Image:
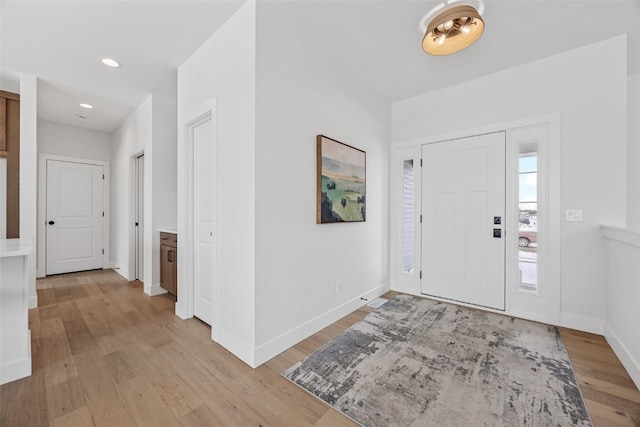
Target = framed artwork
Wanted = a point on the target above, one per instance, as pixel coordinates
(341, 182)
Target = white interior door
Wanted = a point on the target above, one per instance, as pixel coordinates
(139, 224)
(204, 219)
(74, 216)
(463, 205)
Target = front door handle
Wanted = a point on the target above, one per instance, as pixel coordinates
(51, 222)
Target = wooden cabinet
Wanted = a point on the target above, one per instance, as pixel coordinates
(169, 262)
(10, 149)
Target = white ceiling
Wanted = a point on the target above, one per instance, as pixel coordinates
(376, 41)
(62, 43)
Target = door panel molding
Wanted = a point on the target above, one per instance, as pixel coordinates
(41, 258)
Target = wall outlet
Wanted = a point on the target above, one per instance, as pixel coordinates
(338, 286)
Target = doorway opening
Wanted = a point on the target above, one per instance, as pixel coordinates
(139, 218)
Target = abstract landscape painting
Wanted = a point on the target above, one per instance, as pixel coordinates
(341, 182)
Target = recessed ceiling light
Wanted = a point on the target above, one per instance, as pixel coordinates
(110, 62)
(89, 106)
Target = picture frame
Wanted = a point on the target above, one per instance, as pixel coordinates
(341, 182)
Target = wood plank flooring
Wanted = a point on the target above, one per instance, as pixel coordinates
(106, 354)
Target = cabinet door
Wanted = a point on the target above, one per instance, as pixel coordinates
(10, 149)
(167, 267)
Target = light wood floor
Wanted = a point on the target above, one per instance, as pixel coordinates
(104, 353)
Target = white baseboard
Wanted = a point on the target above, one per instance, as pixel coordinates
(18, 369)
(182, 312)
(626, 357)
(121, 271)
(32, 301)
(236, 346)
(290, 338)
(154, 290)
(15, 370)
(582, 323)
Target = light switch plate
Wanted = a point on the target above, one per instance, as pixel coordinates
(573, 215)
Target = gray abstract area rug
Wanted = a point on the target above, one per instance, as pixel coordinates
(418, 362)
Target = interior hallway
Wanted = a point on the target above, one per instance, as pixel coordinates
(105, 353)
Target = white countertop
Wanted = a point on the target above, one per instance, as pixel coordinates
(15, 247)
(621, 234)
(168, 230)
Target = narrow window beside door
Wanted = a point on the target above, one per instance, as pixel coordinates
(528, 214)
(407, 215)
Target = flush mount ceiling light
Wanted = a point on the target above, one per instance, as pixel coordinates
(110, 62)
(88, 106)
(452, 30)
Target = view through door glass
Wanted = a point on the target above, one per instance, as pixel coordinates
(528, 222)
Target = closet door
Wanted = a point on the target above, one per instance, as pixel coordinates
(203, 220)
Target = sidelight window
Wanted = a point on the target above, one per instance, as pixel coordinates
(407, 216)
(528, 217)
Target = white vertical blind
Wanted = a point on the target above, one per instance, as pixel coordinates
(407, 215)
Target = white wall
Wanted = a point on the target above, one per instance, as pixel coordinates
(277, 268)
(623, 294)
(301, 95)
(623, 253)
(224, 68)
(73, 141)
(588, 87)
(160, 179)
(29, 171)
(151, 129)
(129, 139)
(633, 152)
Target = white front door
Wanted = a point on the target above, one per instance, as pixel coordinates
(74, 216)
(203, 219)
(463, 208)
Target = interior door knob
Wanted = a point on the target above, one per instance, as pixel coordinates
(51, 222)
